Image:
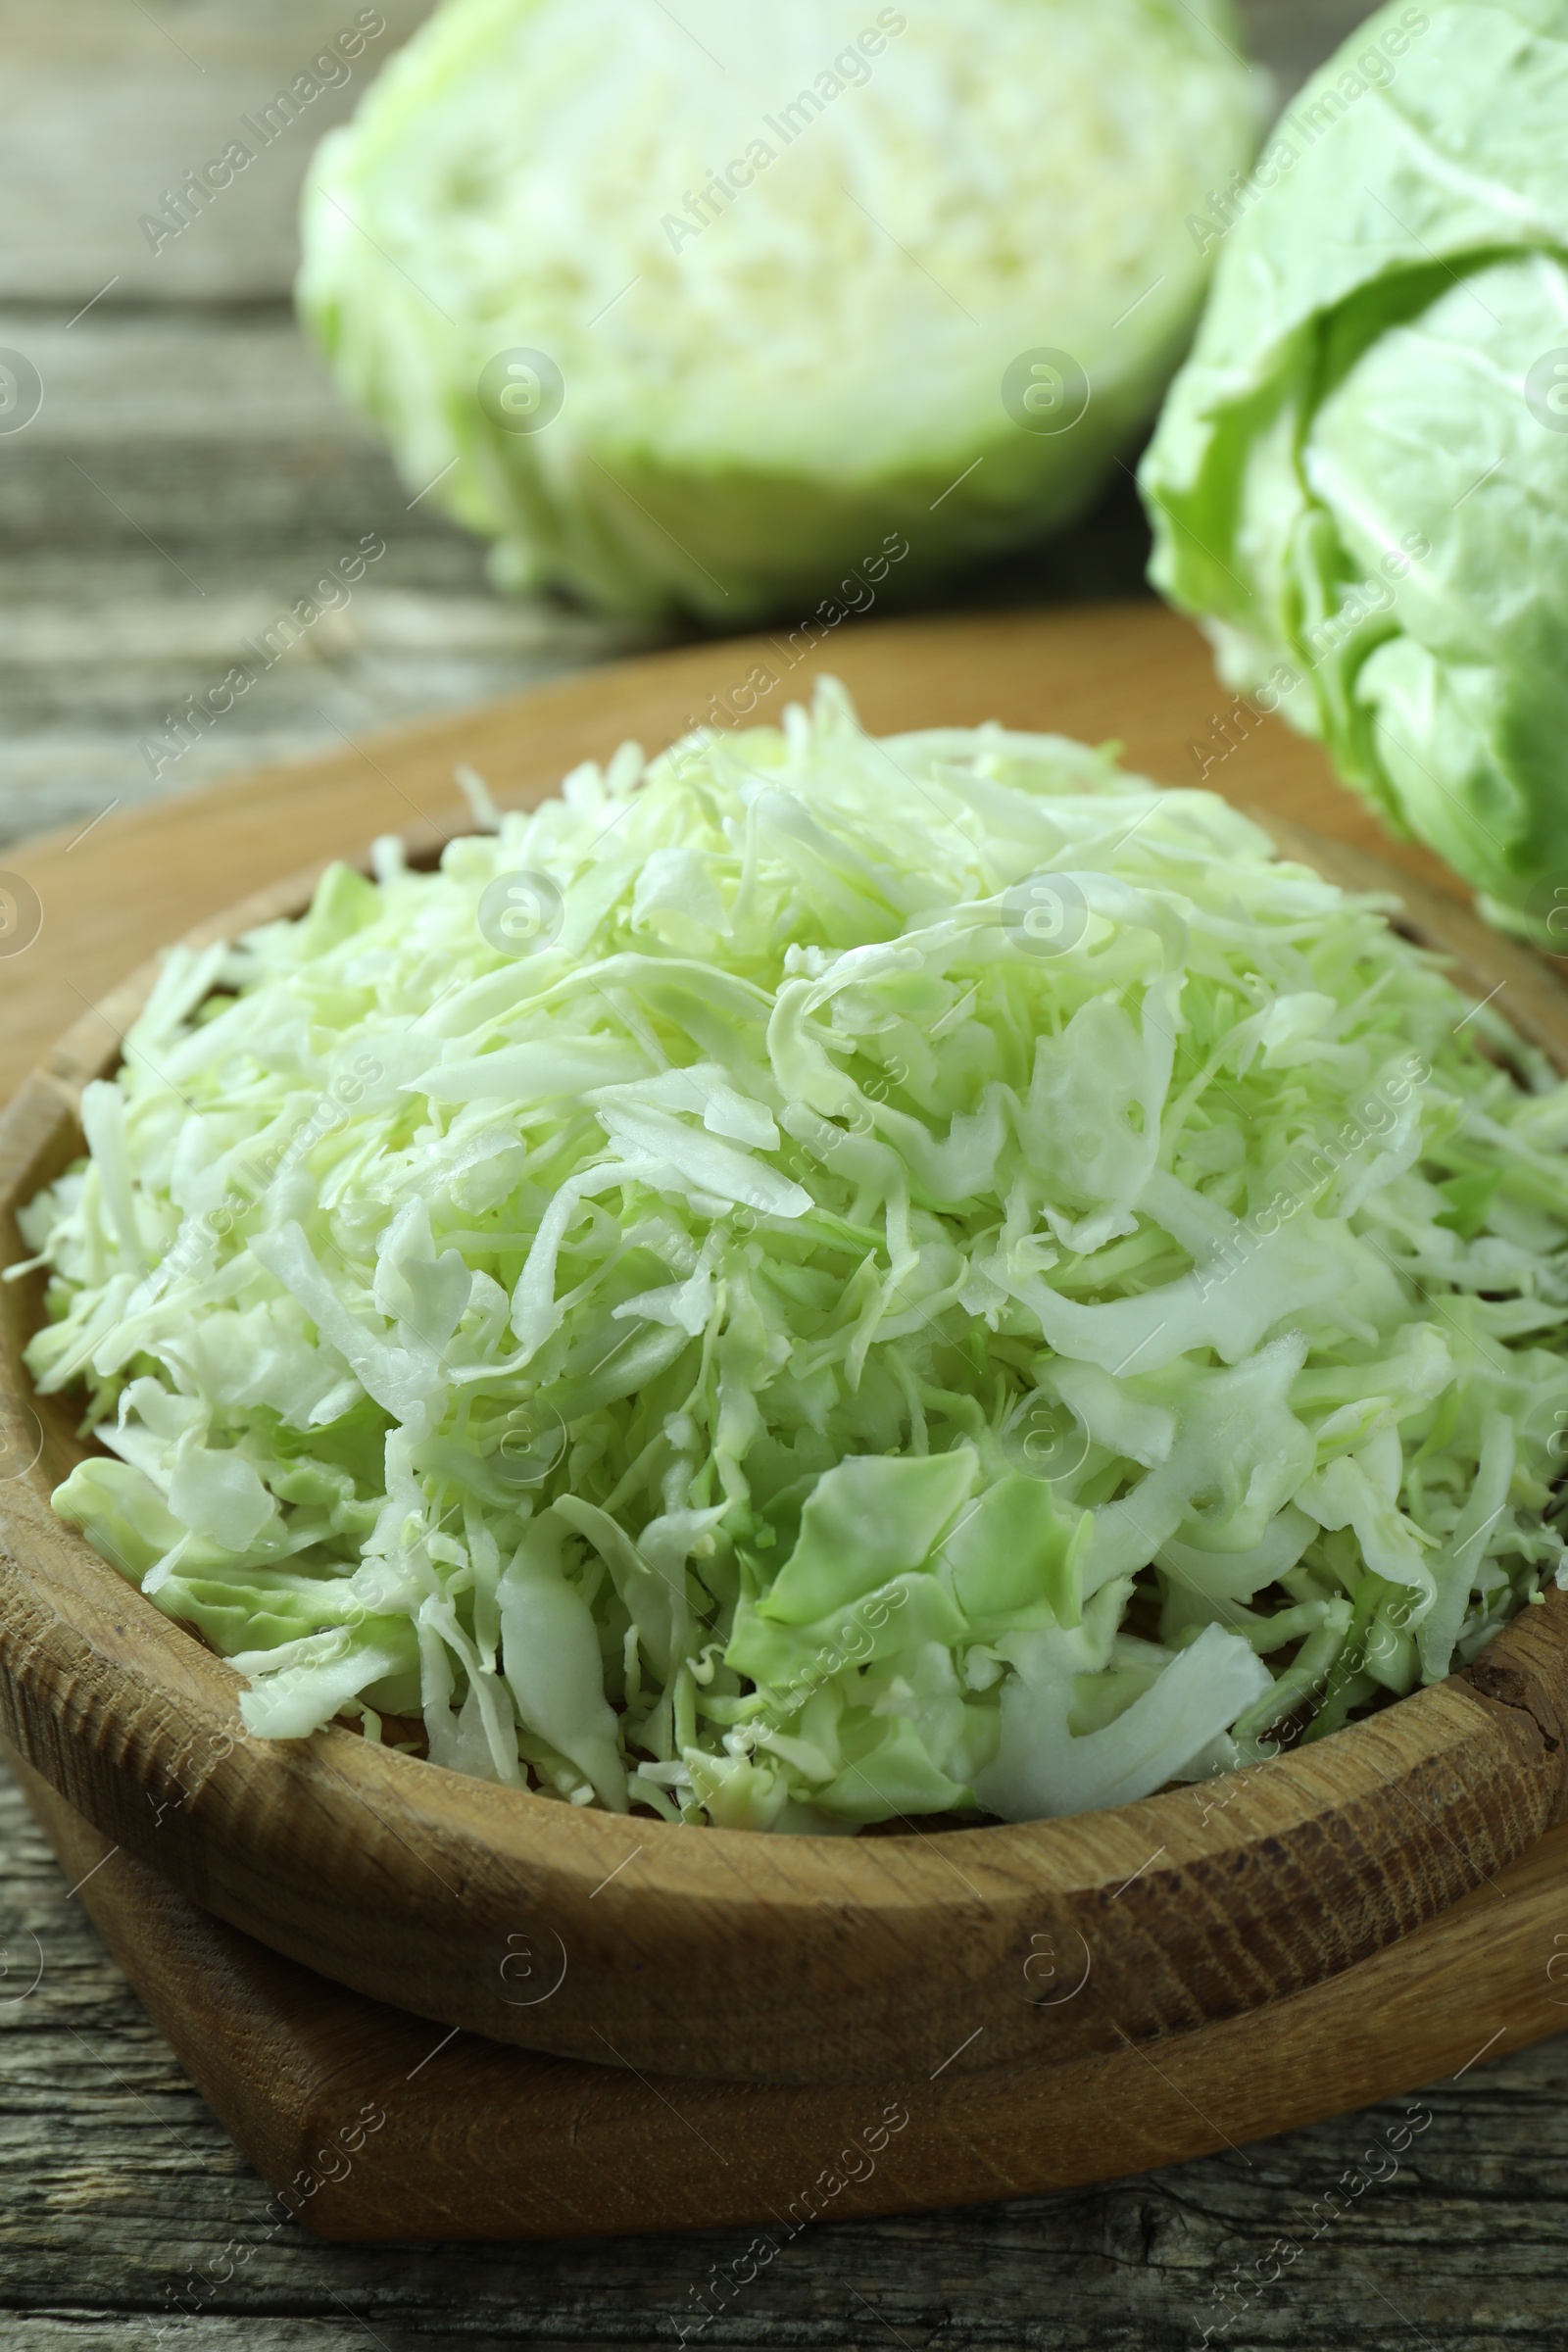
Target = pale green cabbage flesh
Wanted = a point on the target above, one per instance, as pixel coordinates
(943, 1277)
(780, 260)
(1359, 482)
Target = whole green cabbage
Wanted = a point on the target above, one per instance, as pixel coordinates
(1360, 479)
(705, 313)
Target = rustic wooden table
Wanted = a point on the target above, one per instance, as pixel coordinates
(188, 475)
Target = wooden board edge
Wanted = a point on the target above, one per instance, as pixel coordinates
(496, 2144)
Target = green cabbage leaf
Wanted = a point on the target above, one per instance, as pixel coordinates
(1359, 482)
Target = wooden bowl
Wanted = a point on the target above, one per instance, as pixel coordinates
(717, 1954)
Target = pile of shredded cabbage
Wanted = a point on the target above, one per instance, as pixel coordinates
(935, 1277)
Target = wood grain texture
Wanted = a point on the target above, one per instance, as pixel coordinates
(725, 1955)
(148, 94)
(189, 477)
(365, 2128)
(125, 2209)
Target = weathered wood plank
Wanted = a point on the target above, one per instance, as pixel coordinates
(105, 105)
(189, 479)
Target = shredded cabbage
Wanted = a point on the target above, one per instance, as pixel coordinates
(822, 1280)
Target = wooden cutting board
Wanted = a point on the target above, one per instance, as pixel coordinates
(373, 2125)
(275, 2047)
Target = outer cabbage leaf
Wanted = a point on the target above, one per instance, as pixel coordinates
(1359, 482)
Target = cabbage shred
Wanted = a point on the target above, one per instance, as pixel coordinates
(941, 1277)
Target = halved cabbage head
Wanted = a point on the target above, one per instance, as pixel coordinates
(709, 308)
(822, 1280)
(1360, 479)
